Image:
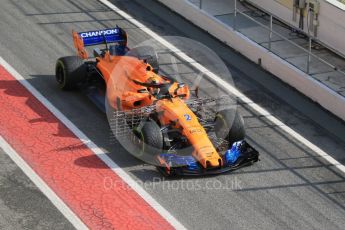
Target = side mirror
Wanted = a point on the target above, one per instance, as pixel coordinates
(181, 85)
(142, 91)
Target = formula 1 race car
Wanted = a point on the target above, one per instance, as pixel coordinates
(182, 136)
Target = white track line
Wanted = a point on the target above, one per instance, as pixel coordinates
(227, 87)
(41, 185)
(99, 152)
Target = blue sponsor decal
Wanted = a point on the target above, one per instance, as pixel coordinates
(188, 117)
(175, 160)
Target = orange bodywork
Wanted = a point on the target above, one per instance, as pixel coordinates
(177, 113)
(79, 45)
(124, 76)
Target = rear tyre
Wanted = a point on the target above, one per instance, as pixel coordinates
(229, 125)
(146, 53)
(69, 71)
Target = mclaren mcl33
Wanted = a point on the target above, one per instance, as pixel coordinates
(181, 136)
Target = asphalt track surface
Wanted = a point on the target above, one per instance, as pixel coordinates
(22, 205)
(291, 187)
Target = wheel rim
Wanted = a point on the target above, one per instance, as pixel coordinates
(60, 75)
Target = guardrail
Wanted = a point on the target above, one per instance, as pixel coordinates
(237, 13)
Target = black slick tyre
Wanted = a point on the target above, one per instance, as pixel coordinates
(69, 71)
(229, 125)
(152, 138)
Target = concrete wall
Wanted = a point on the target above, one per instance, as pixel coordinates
(331, 30)
(313, 89)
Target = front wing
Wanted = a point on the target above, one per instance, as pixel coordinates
(189, 167)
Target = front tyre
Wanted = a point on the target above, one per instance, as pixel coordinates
(229, 125)
(151, 137)
(69, 71)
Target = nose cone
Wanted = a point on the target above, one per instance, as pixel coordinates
(208, 159)
(214, 162)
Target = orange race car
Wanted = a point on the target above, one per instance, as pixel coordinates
(182, 136)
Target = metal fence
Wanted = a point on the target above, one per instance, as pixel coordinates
(311, 58)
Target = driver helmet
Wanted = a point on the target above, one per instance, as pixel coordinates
(154, 80)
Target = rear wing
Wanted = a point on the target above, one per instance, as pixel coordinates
(97, 37)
